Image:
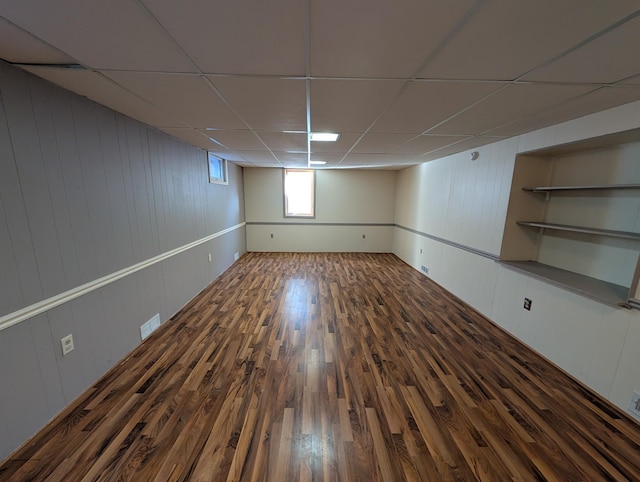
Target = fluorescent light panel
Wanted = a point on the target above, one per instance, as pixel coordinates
(318, 163)
(324, 136)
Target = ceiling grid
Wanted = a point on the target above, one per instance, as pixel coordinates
(402, 82)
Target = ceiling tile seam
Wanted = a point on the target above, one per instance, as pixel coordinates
(463, 20)
(584, 42)
(619, 83)
(207, 81)
(260, 76)
(368, 129)
(432, 151)
(41, 41)
(478, 136)
(307, 72)
(424, 135)
(152, 17)
(163, 111)
(242, 119)
(342, 79)
(308, 102)
(541, 111)
(211, 139)
(468, 107)
(513, 82)
(449, 35)
(447, 146)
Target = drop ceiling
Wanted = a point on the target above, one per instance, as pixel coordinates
(403, 82)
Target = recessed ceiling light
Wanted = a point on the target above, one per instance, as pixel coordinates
(318, 163)
(324, 136)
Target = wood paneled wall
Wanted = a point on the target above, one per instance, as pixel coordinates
(85, 192)
(466, 202)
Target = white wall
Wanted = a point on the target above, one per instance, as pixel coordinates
(465, 202)
(349, 204)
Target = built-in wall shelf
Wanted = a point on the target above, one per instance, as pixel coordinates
(602, 291)
(581, 229)
(604, 187)
(548, 190)
(582, 190)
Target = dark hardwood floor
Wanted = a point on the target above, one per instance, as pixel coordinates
(332, 367)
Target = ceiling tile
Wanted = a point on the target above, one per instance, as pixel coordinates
(106, 92)
(266, 104)
(248, 37)
(349, 105)
(257, 157)
(238, 139)
(596, 101)
(506, 39)
(19, 46)
(377, 38)
(609, 58)
(464, 145)
(428, 143)
(513, 102)
(228, 155)
(362, 59)
(635, 80)
(424, 104)
(358, 158)
(188, 97)
(285, 156)
(191, 136)
(284, 141)
(118, 34)
(398, 158)
(377, 143)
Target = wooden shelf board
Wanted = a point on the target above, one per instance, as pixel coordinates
(581, 188)
(581, 229)
(595, 289)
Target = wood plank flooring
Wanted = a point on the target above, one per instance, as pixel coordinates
(300, 367)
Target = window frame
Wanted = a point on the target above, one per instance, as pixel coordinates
(284, 194)
(211, 158)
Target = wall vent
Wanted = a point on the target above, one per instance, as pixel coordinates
(150, 326)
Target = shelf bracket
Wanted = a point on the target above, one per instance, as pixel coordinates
(547, 196)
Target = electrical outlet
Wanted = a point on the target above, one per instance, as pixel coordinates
(634, 404)
(527, 304)
(424, 269)
(210, 258)
(67, 344)
(236, 256)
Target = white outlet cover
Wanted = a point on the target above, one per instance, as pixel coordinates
(67, 344)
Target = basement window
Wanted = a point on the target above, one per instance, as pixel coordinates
(299, 193)
(218, 173)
